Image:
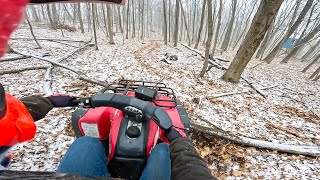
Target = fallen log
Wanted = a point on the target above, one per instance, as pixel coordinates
(80, 74)
(47, 85)
(47, 39)
(13, 58)
(22, 70)
(236, 92)
(220, 66)
(293, 149)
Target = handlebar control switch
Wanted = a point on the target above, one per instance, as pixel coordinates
(134, 112)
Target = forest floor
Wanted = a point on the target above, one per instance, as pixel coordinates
(288, 115)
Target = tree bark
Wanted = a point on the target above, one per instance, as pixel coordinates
(291, 30)
(176, 29)
(261, 22)
(209, 39)
(201, 24)
(109, 16)
(165, 22)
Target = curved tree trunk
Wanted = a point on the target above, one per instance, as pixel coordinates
(209, 39)
(267, 11)
(201, 24)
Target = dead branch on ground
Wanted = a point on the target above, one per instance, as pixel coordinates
(22, 70)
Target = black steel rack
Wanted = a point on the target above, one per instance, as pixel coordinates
(124, 86)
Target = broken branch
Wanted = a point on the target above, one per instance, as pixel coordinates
(23, 69)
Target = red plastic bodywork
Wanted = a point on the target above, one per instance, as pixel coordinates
(109, 119)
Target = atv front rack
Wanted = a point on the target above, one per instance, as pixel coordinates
(126, 86)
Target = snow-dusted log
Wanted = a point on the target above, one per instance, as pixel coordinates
(217, 65)
(23, 69)
(215, 131)
(47, 85)
(236, 92)
(80, 74)
(46, 39)
(13, 58)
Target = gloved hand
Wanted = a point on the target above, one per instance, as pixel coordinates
(174, 133)
(62, 100)
(37, 106)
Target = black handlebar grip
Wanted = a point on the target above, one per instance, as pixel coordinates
(149, 111)
(3, 104)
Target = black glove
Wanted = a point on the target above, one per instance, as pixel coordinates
(62, 100)
(173, 133)
(37, 106)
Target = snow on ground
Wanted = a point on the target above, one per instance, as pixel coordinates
(289, 114)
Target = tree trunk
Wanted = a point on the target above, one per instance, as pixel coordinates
(217, 31)
(142, 20)
(226, 40)
(94, 25)
(80, 18)
(201, 24)
(127, 20)
(109, 16)
(312, 63)
(165, 22)
(209, 40)
(133, 21)
(176, 29)
(120, 21)
(185, 23)
(55, 16)
(105, 20)
(296, 24)
(261, 22)
(169, 20)
(294, 51)
(52, 25)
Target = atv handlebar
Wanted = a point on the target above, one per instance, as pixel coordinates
(130, 105)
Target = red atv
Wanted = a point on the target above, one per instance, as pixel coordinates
(126, 118)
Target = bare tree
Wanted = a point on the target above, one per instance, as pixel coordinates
(209, 39)
(109, 16)
(133, 21)
(201, 24)
(217, 30)
(52, 24)
(294, 51)
(80, 18)
(127, 20)
(185, 23)
(94, 24)
(292, 28)
(142, 20)
(176, 29)
(226, 40)
(120, 21)
(311, 49)
(261, 22)
(165, 22)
